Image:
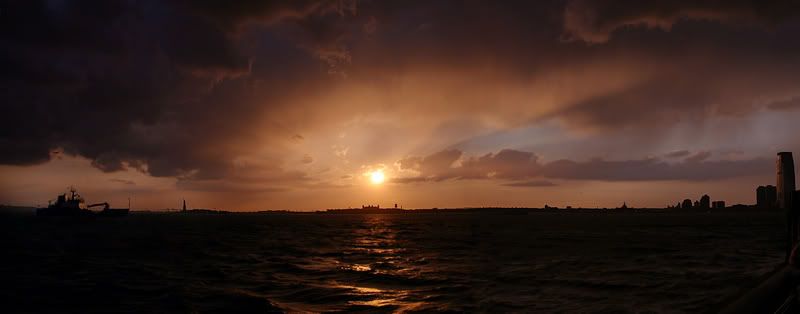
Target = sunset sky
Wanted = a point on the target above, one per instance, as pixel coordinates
(253, 105)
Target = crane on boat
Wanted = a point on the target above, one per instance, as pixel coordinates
(104, 204)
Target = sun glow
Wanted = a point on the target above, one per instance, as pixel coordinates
(377, 177)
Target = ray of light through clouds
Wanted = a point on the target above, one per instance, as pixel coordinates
(298, 104)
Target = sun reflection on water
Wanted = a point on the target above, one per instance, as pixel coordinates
(382, 298)
(374, 250)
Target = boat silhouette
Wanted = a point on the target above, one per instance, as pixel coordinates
(72, 204)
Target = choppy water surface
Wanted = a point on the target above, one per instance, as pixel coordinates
(540, 262)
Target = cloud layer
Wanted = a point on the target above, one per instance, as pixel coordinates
(276, 95)
(596, 21)
(171, 89)
(517, 166)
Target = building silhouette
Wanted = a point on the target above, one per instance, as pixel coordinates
(766, 196)
(786, 184)
(705, 202)
(718, 204)
(687, 203)
(785, 192)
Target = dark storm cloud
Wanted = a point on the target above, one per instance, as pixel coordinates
(205, 35)
(185, 88)
(167, 88)
(517, 165)
(708, 59)
(699, 70)
(645, 105)
(595, 21)
(231, 14)
(676, 95)
(315, 25)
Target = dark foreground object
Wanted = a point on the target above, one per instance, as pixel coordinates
(70, 212)
(72, 205)
(777, 294)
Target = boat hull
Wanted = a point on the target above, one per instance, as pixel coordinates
(51, 211)
(79, 212)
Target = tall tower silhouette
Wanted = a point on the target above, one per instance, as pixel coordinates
(184, 205)
(786, 187)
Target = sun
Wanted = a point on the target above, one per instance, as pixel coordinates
(377, 177)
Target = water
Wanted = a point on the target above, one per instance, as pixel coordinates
(540, 262)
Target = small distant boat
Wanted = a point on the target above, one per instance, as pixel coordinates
(72, 204)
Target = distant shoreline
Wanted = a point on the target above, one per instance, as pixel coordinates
(397, 211)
